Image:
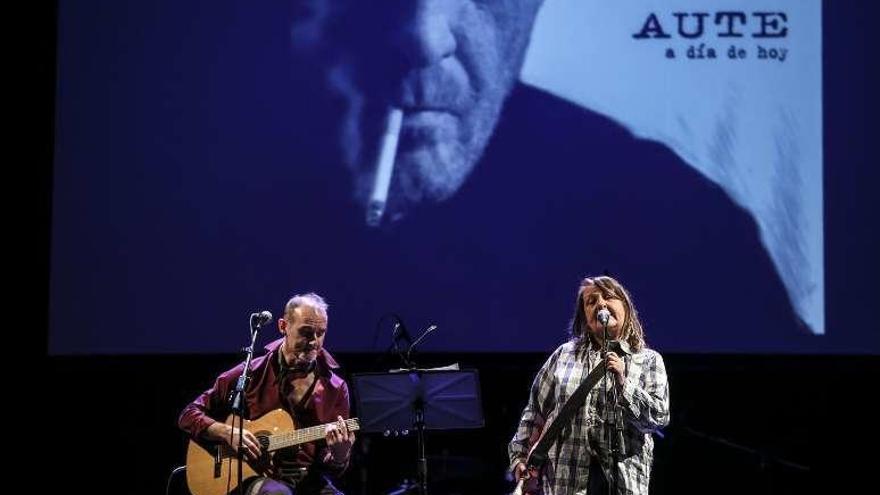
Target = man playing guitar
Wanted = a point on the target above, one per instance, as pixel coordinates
(296, 375)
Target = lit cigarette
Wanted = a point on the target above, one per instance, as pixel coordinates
(384, 167)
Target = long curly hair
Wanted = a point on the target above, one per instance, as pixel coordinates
(632, 331)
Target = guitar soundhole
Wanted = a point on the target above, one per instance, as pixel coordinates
(264, 441)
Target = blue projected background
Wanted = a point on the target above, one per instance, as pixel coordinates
(211, 160)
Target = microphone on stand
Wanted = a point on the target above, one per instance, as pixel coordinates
(257, 320)
(421, 338)
(261, 318)
(603, 316)
(418, 340)
(611, 397)
(401, 333)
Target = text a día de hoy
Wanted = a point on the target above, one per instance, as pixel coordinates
(760, 27)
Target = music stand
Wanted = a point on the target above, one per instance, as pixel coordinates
(420, 399)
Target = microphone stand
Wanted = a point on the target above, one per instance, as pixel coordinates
(418, 404)
(241, 384)
(417, 342)
(238, 399)
(422, 469)
(396, 335)
(610, 420)
(419, 409)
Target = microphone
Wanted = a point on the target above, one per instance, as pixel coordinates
(400, 332)
(261, 318)
(421, 338)
(603, 316)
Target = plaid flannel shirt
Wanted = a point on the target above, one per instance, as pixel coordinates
(643, 405)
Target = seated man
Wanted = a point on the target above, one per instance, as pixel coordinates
(296, 375)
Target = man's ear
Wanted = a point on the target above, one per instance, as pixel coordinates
(282, 326)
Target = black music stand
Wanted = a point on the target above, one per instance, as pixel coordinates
(419, 399)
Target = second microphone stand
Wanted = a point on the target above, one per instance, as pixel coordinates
(418, 414)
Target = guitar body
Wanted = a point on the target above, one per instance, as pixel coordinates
(215, 470)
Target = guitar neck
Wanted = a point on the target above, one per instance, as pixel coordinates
(305, 435)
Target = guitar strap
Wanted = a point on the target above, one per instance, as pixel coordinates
(538, 455)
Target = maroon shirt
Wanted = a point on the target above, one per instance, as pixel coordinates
(329, 399)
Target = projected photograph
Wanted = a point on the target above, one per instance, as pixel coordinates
(464, 171)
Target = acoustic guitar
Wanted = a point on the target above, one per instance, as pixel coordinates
(213, 471)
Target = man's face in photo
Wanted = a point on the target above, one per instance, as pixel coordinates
(448, 64)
